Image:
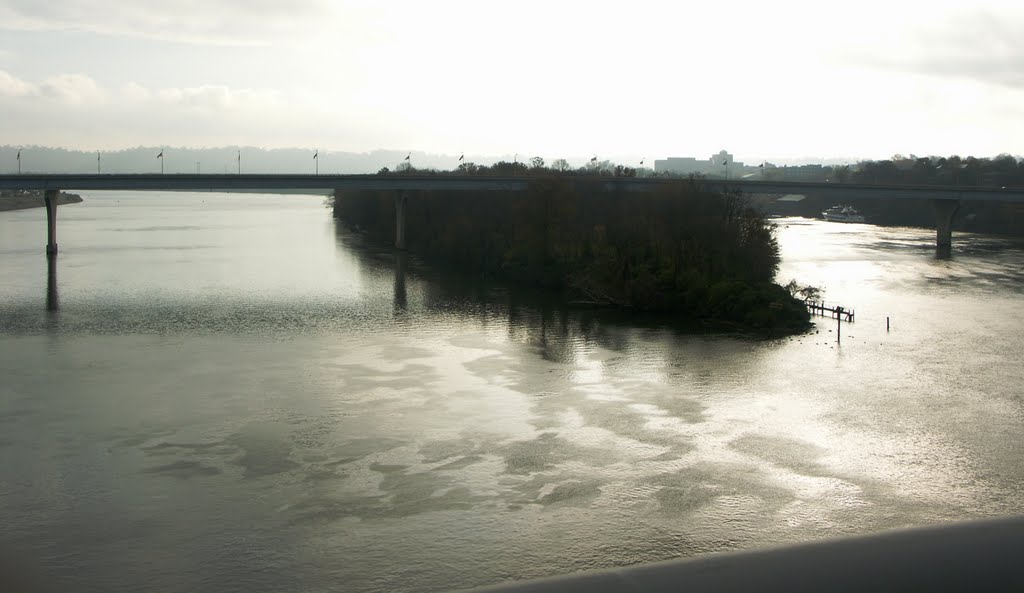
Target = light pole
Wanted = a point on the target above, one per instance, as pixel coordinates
(161, 157)
(19, 161)
(316, 161)
(197, 167)
(97, 162)
(239, 162)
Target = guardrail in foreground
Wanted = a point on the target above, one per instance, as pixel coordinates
(976, 557)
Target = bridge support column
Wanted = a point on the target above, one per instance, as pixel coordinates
(945, 210)
(50, 200)
(401, 200)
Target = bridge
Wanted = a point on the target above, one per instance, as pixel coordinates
(945, 200)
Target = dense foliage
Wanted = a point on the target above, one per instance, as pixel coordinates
(1003, 170)
(701, 255)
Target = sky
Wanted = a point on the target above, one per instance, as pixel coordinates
(624, 81)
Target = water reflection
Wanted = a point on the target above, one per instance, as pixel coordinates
(586, 340)
(401, 301)
(52, 298)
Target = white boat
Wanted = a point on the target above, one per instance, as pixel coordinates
(843, 214)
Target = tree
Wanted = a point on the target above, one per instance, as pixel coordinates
(604, 167)
(507, 168)
(841, 173)
(560, 165)
(537, 162)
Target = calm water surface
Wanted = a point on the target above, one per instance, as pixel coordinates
(236, 395)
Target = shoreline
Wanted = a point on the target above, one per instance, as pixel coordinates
(25, 200)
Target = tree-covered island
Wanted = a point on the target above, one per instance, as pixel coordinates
(701, 257)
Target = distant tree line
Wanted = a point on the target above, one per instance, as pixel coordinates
(992, 216)
(700, 255)
(534, 167)
(1002, 171)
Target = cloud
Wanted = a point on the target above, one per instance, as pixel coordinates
(976, 44)
(69, 89)
(75, 111)
(195, 21)
(14, 87)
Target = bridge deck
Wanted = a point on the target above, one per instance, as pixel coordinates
(268, 182)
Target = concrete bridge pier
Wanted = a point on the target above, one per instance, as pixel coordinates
(945, 210)
(50, 200)
(401, 200)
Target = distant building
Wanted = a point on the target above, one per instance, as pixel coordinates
(720, 159)
(713, 166)
(680, 165)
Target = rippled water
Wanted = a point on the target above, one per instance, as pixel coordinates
(235, 395)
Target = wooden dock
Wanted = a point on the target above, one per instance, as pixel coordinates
(835, 312)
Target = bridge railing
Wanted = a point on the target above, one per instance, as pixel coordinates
(970, 557)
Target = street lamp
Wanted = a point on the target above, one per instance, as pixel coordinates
(19, 161)
(97, 162)
(239, 162)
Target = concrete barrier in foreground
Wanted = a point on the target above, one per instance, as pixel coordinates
(976, 557)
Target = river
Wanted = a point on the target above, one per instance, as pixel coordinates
(237, 395)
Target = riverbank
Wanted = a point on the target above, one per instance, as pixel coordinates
(20, 199)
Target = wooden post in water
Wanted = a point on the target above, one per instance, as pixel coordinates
(887, 323)
(839, 322)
